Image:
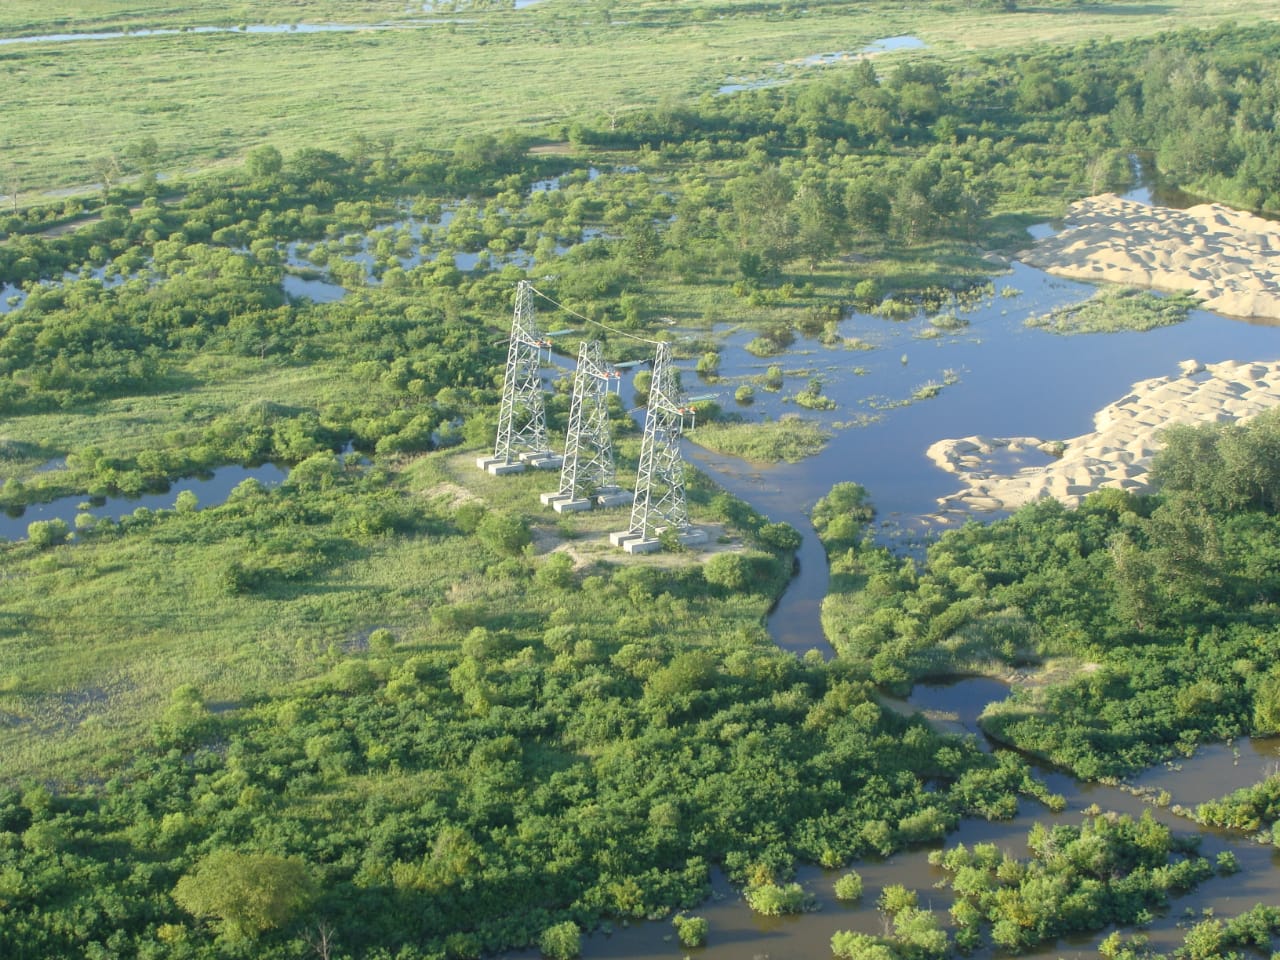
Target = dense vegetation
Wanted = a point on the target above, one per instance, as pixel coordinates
(395, 709)
(558, 749)
(1254, 809)
(1111, 869)
(1166, 603)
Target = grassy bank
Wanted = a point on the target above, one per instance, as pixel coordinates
(69, 105)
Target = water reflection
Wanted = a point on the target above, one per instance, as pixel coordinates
(253, 28)
(210, 490)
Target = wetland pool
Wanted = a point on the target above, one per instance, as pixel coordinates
(210, 489)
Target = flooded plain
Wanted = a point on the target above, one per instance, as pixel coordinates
(997, 377)
(737, 933)
(209, 489)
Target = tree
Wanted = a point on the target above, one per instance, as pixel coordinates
(817, 217)
(248, 893)
(107, 171)
(11, 185)
(264, 163)
(1134, 578)
(764, 217)
(867, 207)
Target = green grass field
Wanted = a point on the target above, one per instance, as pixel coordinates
(210, 97)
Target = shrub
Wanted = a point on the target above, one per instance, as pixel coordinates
(692, 931)
(849, 886)
(563, 941)
(503, 533)
(47, 533)
(774, 900)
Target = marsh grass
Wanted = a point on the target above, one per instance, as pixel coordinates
(72, 103)
(1114, 309)
(789, 439)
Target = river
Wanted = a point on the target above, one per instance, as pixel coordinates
(737, 933)
(1009, 380)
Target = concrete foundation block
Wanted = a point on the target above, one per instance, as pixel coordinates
(571, 506)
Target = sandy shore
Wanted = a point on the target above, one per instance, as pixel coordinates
(1229, 259)
(1008, 472)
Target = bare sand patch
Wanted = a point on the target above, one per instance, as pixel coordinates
(1118, 452)
(451, 494)
(1228, 258)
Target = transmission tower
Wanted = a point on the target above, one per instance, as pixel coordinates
(659, 502)
(522, 420)
(587, 476)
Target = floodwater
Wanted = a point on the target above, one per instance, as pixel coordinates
(415, 240)
(736, 933)
(999, 378)
(253, 28)
(778, 75)
(210, 490)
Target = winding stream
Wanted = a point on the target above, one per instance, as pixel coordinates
(1009, 380)
(737, 933)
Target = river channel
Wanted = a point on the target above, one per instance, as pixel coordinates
(736, 933)
(1000, 378)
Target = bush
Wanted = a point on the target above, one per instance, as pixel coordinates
(692, 931)
(729, 571)
(563, 941)
(849, 886)
(504, 533)
(774, 900)
(47, 533)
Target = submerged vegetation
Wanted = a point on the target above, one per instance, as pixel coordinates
(789, 439)
(394, 707)
(1113, 309)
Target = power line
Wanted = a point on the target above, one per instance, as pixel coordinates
(602, 326)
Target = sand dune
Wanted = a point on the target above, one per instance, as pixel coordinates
(1119, 450)
(1226, 257)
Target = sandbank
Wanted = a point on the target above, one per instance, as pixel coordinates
(1117, 453)
(1227, 258)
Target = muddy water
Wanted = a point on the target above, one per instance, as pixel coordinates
(1001, 379)
(736, 933)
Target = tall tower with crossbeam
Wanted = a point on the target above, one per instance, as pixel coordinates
(588, 477)
(659, 503)
(522, 419)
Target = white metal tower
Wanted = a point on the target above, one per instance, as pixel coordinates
(659, 502)
(587, 475)
(522, 420)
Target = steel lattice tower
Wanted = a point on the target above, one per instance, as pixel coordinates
(588, 450)
(522, 420)
(659, 501)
